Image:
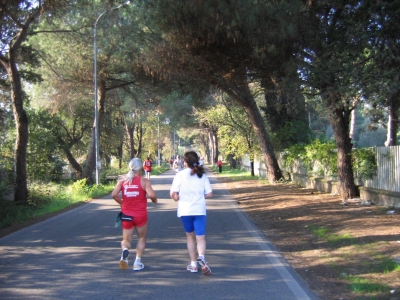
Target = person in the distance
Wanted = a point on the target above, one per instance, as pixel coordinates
(147, 165)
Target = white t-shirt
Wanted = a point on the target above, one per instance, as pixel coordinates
(178, 163)
(191, 190)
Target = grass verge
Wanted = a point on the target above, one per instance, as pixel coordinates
(235, 174)
(377, 264)
(47, 198)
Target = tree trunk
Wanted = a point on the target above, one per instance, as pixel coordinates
(131, 131)
(232, 161)
(91, 157)
(274, 117)
(208, 155)
(242, 94)
(71, 159)
(252, 168)
(211, 146)
(139, 135)
(77, 167)
(21, 193)
(393, 122)
(120, 154)
(21, 122)
(353, 123)
(213, 141)
(339, 118)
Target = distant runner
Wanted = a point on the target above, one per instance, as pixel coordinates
(147, 165)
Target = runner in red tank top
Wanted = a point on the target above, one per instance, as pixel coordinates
(134, 211)
(147, 165)
(134, 198)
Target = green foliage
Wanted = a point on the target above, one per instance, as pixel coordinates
(156, 170)
(364, 163)
(78, 186)
(44, 160)
(317, 157)
(292, 132)
(387, 265)
(363, 285)
(10, 213)
(236, 135)
(332, 238)
(235, 174)
(7, 141)
(46, 198)
(3, 189)
(292, 154)
(323, 154)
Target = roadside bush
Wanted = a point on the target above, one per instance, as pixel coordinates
(320, 158)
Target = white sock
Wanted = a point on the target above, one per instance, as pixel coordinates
(138, 259)
(193, 264)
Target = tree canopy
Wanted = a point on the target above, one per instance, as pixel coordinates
(282, 67)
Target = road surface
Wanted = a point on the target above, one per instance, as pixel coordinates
(75, 255)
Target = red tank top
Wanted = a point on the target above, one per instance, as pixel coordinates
(147, 165)
(134, 198)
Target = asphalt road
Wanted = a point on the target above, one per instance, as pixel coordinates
(75, 255)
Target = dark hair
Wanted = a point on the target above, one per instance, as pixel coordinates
(192, 160)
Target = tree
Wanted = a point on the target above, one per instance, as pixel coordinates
(234, 129)
(226, 44)
(381, 75)
(285, 111)
(329, 58)
(349, 52)
(44, 162)
(17, 18)
(72, 66)
(7, 139)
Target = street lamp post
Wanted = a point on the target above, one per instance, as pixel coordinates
(158, 139)
(96, 118)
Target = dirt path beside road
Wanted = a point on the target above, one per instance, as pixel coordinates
(329, 244)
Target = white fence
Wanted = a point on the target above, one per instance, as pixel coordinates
(388, 174)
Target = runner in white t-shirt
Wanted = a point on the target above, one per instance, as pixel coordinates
(178, 166)
(190, 188)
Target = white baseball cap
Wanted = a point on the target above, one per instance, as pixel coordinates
(135, 164)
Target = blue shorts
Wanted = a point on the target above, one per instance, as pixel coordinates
(194, 223)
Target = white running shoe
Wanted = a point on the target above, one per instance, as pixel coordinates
(123, 264)
(204, 268)
(137, 266)
(191, 268)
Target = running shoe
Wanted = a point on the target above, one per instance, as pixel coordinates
(192, 269)
(137, 266)
(204, 268)
(123, 263)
